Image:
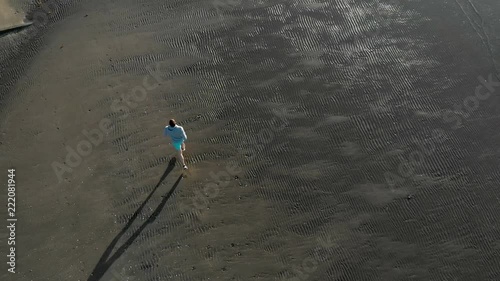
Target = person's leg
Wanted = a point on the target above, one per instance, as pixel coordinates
(181, 157)
(183, 146)
(178, 148)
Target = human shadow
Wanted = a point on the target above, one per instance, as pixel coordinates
(106, 261)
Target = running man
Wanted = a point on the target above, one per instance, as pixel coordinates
(178, 136)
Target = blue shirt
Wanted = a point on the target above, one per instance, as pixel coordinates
(176, 133)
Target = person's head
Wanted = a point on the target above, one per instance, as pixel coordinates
(172, 123)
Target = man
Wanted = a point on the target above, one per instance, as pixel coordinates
(178, 136)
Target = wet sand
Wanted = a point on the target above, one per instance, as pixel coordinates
(303, 107)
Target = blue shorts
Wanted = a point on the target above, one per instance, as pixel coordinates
(177, 145)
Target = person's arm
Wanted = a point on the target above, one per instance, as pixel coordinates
(165, 131)
(184, 134)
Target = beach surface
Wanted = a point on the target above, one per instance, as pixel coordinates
(9, 15)
(327, 140)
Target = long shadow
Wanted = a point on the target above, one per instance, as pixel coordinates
(106, 261)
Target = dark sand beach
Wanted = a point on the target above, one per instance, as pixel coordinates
(327, 140)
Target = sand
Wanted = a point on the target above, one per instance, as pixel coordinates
(297, 112)
(9, 16)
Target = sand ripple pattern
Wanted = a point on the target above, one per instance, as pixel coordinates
(358, 82)
(352, 79)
